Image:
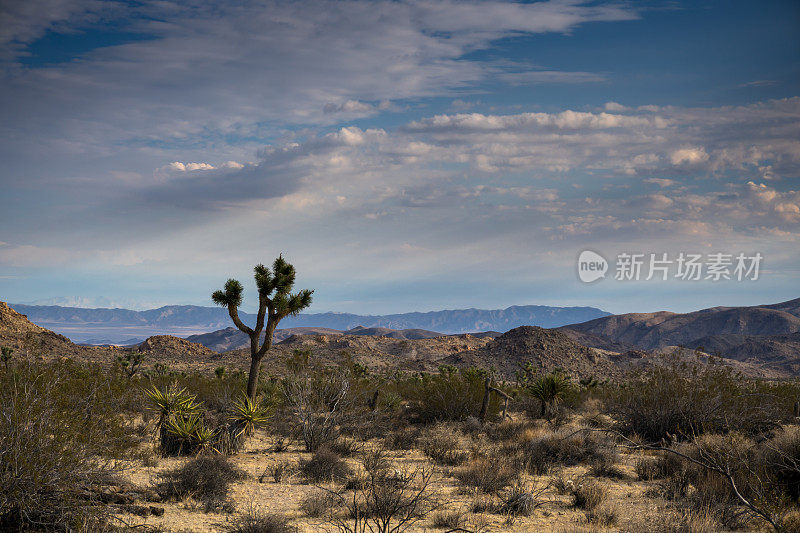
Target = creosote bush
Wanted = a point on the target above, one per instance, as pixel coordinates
(488, 474)
(61, 426)
(325, 465)
(451, 395)
(566, 448)
(442, 443)
(259, 522)
(677, 400)
(206, 478)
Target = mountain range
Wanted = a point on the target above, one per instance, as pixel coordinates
(766, 334)
(117, 326)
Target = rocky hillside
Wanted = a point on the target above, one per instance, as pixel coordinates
(232, 339)
(547, 349)
(661, 329)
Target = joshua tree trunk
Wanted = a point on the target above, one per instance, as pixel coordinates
(275, 302)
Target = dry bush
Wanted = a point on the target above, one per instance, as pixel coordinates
(685, 520)
(486, 504)
(685, 399)
(442, 443)
(659, 467)
(345, 446)
(206, 478)
(451, 395)
(404, 438)
(387, 500)
(61, 424)
(489, 475)
(449, 519)
(523, 499)
(319, 505)
(325, 465)
(781, 456)
(588, 494)
(507, 430)
(604, 515)
(320, 400)
(605, 465)
(278, 471)
(259, 522)
(564, 448)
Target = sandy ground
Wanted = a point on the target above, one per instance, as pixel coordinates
(626, 496)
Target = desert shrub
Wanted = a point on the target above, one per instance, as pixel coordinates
(522, 499)
(404, 438)
(258, 522)
(318, 505)
(345, 446)
(322, 399)
(61, 425)
(486, 504)
(679, 400)
(278, 471)
(781, 456)
(604, 515)
(324, 465)
(506, 430)
(442, 444)
(450, 395)
(661, 466)
(206, 478)
(681, 520)
(448, 519)
(588, 494)
(387, 501)
(564, 448)
(604, 464)
(375, 460)
(489, 475)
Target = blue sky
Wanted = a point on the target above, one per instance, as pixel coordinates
(407, 155)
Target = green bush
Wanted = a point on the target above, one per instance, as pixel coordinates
(679, 400)
(451, 395)
(61, 426)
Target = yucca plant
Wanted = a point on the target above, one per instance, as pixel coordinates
(172, 400)
(181, 430)
(248, 414)
(549, 389)
(175, 407)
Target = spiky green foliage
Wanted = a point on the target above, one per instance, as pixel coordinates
(248, 414)
(170, 401)
(130, 363)
(549, 389)
(275, 302)
(230, 296)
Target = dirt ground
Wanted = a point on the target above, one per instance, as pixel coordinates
(626, 496)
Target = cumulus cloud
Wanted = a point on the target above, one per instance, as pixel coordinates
(688, 156)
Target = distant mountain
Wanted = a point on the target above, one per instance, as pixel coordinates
(116, 325)
(762, 334)
(232, 339)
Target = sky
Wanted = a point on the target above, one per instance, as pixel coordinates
(404, 155)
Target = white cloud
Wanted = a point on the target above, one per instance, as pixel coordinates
(688, 156)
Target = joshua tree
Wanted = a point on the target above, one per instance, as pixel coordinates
(275, 301)
(6, 355)
(549, 389)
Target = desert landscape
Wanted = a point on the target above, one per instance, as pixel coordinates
(399, 266)
(599, 426)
